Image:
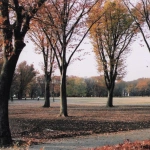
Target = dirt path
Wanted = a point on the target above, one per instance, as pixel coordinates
(82, 143)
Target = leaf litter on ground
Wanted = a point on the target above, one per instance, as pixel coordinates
(35, 124)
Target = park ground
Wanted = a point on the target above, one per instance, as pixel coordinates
(33, 124)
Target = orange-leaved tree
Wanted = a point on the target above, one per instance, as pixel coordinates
(38, 37)
(67, 21)
(111, 36)
(15, 16)
(140, 12)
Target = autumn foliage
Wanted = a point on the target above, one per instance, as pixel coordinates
(111, 36)
(127, 145)
(14, 23)
(140, 12)
(87, 118)
(63, 25)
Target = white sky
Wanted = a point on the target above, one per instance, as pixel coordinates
(138, 62)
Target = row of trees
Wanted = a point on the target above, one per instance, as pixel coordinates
(24, 79)
(111, 29)
(57, 30)
(95, 87)
(64, 24)
(29, 83)
(86, 87)
(139, 87)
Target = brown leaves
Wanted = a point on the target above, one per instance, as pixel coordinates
(20, 145)
(127, 145)
(38, 124)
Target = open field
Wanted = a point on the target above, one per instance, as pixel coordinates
(87, 116)
(118, 101)
(101, 101)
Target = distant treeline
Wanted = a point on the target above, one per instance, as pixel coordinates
(95, 87)
(29, 83)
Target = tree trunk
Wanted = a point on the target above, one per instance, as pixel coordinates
(20, 93)
(5, 84)
(110, 98)
(63, 95)
(5, 135)
(47, 91)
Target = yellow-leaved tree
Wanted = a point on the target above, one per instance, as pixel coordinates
(111, 37)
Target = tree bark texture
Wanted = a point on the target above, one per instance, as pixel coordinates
(63, 95)
(110, 94)
(5, 84)
(20, 94)
(11, 51)
(110, 98)
(47, 91)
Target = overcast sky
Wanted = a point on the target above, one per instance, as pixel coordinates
(138, 62)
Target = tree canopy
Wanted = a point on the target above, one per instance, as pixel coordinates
(111, 36)
(65, 27)
(24, 75)
(140, 13)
